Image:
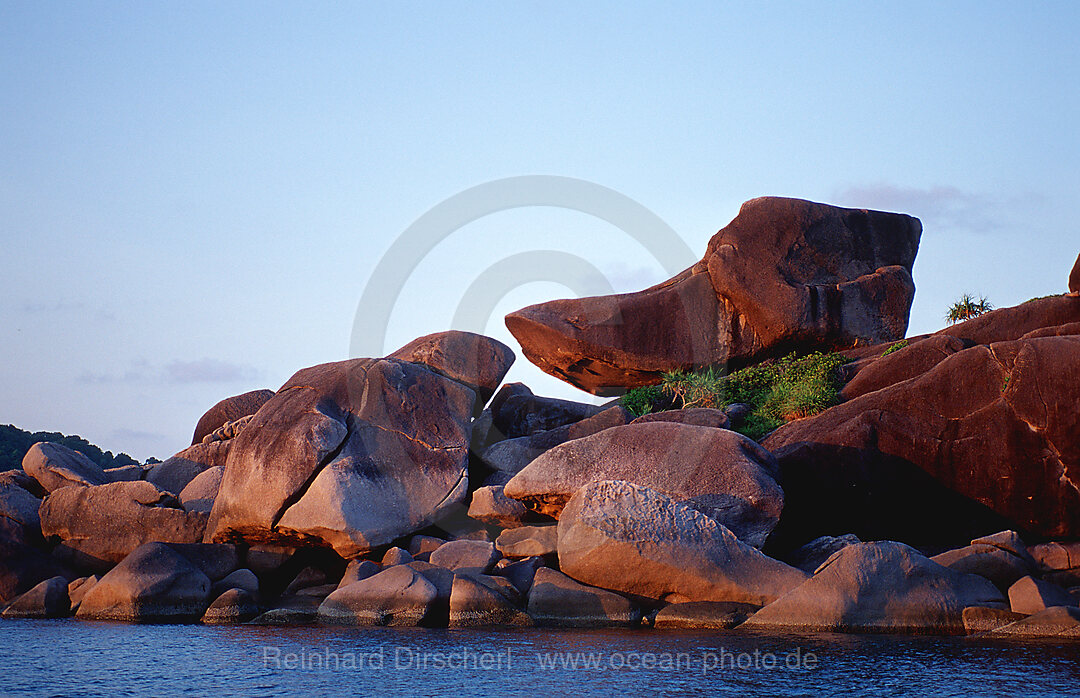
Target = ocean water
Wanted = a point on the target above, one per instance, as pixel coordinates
(75, 658)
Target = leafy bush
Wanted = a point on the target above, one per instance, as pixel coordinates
(776, 391)
(966, 308)
(896, 347)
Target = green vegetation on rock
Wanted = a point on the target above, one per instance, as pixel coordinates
(896, 347)
(966, 308)
(15, 442)
(776, 391)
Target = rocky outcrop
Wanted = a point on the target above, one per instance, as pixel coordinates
(473, 360)
(349, 455)
(1029, 595)
(631, 539)
(20, 506)
(813, 554)
(1074, 278)
(99, 526)
(152, 584)
(528, 541)
(879, 587)
(783, 274)
(229, 410)
(466, 556)
(557, 600)
(511, 456)
(22, 563)
(174, 474)
(55, 466)
(723, 474)
(489, 505)
(983, 441)
(234, 605)
(990, 562)
(1056, 621)
(478, 601)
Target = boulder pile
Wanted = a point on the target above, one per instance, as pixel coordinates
(941, 495)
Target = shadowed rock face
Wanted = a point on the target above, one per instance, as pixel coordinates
(784, 274)
(1074, 278)
(984, 440)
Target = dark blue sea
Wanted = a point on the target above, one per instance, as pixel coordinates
(76, 658)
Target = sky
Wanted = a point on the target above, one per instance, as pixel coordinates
(196, 196)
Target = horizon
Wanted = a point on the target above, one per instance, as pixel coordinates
(196, 197)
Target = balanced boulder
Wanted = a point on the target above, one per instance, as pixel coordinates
(723, 474)
(99, 526)
(153, 583)
(349, 455)
(631, 539)
(879, 587)
(784, 273)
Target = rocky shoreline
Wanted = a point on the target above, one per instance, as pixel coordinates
(941, 495)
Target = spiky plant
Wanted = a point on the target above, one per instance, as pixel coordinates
(966, 308)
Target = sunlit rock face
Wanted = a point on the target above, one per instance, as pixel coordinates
(353, 454)
(785, 274)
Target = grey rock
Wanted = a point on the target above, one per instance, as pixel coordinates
(398, 595)
(557, 600)
(55, 466)
(528, 541)
(466, 556)
(49, 599)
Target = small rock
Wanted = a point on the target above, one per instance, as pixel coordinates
(812, 555)
(240, 579)
(1074, 278)
(267, 559)
(712, 615)
(125, 473)
(1056, 556)
(419, 545)
(474, 604)
(78, 588)
(517, 412)
(307, 577)
(396, 596)
(466, 556)
(396, 556)
(49, 599)
(175, 473)
(291, 610)
(491, 506)
(528, 541)
(228, 410)
(996, 564)
(234, 605)
(1010, 542)
(557, 600)
(1030, 595)
(979, 619)
(522, 573)
(1055, 621)
(216, 560)
(19, 505)
(695, 416)
(357, 570)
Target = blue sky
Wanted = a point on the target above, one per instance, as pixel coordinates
(194, 195)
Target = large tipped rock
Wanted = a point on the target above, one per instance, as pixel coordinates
(474, 360)
(349, 455)
(784, 274)
(631, 539)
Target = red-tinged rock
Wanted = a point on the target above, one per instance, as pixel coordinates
(784, 274)
(55, 466)
(985, 440)
(1007, 324)
(1074, 278)
(229, 410)
(174, 474)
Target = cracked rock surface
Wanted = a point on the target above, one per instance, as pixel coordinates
(348, 455)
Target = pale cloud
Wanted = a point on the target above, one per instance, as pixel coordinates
(205, 370)
(942, 208)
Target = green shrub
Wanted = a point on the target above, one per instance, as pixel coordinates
(966, 308)
(896, 347)
(776, 391)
